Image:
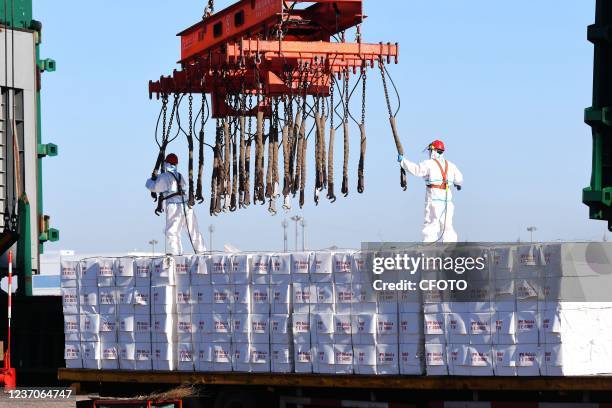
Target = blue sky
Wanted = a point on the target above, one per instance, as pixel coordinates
(503, 83)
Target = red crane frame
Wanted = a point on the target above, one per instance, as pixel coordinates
(269, 48)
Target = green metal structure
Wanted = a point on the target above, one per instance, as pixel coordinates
(598, 196)
(17, 15)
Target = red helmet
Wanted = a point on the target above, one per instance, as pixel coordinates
(172, 159)
(437, 145)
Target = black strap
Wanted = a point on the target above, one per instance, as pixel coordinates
(180, 191)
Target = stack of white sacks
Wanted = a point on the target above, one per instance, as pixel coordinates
(316, 312)
(537, 310)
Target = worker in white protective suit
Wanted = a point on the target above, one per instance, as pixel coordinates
(171, 185)
(439, 175)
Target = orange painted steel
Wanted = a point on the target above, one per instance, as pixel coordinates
(271, 49)
(253, 18)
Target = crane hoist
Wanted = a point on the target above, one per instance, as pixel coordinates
(274, 75)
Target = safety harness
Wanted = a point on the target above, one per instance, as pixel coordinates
(444, 172)
(179, 193)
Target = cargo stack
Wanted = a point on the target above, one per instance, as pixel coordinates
(575, 335)
(278, 268)
(302, 329)
(439, 330)
(216, 339)
(186, 327)
(107, 322)
(533, 310)
(69, 270)
(134, 313)
(163, 314)
(411, 332)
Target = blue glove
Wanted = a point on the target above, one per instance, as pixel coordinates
(400, 158)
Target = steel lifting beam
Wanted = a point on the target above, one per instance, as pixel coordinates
(336, 55)
(270, 19)
(269, 61)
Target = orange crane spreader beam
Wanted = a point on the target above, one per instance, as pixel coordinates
(268, 18)
(271, 48)
(281, 66)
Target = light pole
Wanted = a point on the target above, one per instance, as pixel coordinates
(303, 224)
(297, 219)
(285, 224)
(153, 242)
(211, 230)
(531, 230)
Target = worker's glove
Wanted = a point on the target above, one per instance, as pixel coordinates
(458, 188)
(400, 158)
(154, 177)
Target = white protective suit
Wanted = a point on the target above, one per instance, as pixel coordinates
(439, 208)
(166, 183)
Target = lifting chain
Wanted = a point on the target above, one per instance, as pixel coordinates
(247, 159)
(242, 125)
(259, 190)
(332, 136)
(398, 142)
(362, 129)
(191, 199)
(161, 145)
(162, 153)
(345, 125)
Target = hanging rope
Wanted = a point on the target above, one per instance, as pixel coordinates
(303, 161)
(275, 176)
(323, 148)
(221, 178)
(318, 156)
(287, 129)
(214, 180)
(199, 193)
(398, 143)
(295, 150)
